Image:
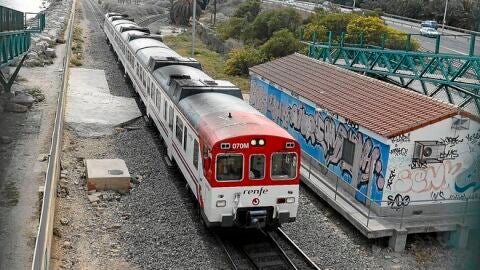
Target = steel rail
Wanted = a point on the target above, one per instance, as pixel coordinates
(225, 249)
(297, 249)
(150, 19)
(96, 13)
(43, 243)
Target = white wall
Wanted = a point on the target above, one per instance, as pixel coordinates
(455, 175)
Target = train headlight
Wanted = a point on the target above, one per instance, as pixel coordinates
(286, 200)
(253, 142)
(290, 199)
(261, 142)
(221, 203)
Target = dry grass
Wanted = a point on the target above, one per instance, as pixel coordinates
(213, 63)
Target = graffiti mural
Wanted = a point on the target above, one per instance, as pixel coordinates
(331, 142)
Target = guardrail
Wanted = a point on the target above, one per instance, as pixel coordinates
(41, 254)
(12, 45)
(365, 210)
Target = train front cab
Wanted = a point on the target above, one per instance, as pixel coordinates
(254, 182)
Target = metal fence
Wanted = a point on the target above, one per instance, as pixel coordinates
(13, 44)
(468, 207)
(10, 19)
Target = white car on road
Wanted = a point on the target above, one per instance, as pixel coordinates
(429, 32)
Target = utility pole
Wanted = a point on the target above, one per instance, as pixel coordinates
(444, 16)
(193, 26)
(354, 4)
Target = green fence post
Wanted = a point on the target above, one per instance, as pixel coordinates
(407, 42)
(437, 44)
(382, 44)
(472, 44)
(342, 39)
(361, 39)
(330, 35)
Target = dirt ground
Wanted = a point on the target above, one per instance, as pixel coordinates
(30, 133)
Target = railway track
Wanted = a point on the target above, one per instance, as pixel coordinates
(43, 242)
(97, 11)
(150, 19)
(260, 249)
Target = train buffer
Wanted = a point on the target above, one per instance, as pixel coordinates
(15, 39)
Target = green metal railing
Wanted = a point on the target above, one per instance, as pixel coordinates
(453, 78)
(15, 32)
(12, 45)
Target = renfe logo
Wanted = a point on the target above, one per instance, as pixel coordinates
(258, 192)
(240, 145)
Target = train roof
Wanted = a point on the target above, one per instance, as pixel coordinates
(146, 42)
(117, 22)
(218, 116)
(126, 35)
(145, 54)
(118, 26)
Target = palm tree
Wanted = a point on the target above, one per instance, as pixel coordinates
(182, 10)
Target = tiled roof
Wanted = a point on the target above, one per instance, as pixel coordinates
(383, 108)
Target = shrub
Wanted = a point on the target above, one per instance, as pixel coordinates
(335, 22)
(241, 59)
(282, 43)
(315, 28)
(232, 28)
(248, 10)
(271, 21)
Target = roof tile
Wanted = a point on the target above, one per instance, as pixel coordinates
(383, 108)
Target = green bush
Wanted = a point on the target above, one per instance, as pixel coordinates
(248, 10)
(282, 43)
(315, 28)
(241, 59)
(232, 28)
(271, 21)
(335, 22)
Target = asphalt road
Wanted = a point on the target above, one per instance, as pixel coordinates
(451, 42)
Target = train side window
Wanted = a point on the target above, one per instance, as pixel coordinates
(179, 129)
(195, 154)
(229, 167)
(257, 167)
(159, 101)
(185, 138)
(170, 118)
(165, 110)
(284, 166)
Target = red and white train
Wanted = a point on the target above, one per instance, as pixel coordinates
(241, 166)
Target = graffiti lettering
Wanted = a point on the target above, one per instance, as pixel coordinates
(418, 164)
(351, 124)
(401, 138)
(431, 178)
(399, 152)
(474, 138)
(437, 195)
(464, 197)
(450, 154)
(390, 179)
(451, 141)
(398, 201)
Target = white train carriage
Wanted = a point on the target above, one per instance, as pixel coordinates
(242, 168)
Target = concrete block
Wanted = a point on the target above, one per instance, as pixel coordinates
(398, 240)
(107, 174)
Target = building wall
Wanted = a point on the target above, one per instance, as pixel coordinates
(322, 135)
(452, 170)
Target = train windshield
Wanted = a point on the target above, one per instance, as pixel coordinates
(257, 167)
(229, 167)
(284, 166)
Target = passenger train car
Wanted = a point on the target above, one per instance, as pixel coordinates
(242, 168)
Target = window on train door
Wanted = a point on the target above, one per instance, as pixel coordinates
(153, 92)
(159, 100)
(185, 139)
(229, 167)
(179, 129)
(257, 167)
(170, 118)
(165, 110)
(195, 153)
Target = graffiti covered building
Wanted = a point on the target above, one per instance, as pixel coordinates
(392, 146)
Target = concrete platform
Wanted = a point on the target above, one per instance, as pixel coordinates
(91, 110)
(107, 174)
(373, 226)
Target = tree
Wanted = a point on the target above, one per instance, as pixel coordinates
(233, 28)
(271, 21)
(335, 22)
(248, 9)
(282, 43)
(240, 60)
(182, 10)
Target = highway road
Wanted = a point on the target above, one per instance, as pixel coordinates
(451, 42)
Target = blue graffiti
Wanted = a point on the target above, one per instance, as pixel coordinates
(325, 138)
